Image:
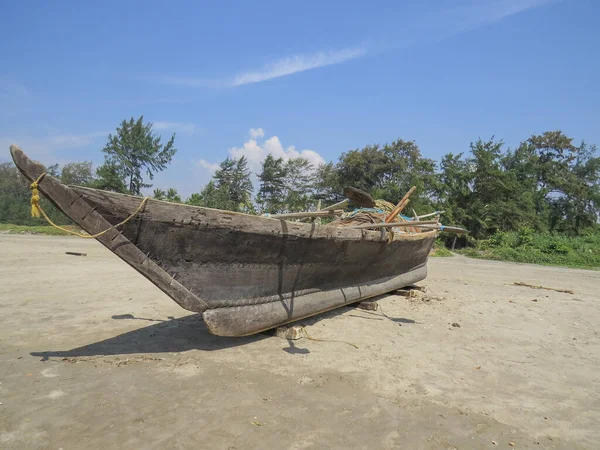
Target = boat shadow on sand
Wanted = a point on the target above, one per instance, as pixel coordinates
(182, 334)
(164, 336)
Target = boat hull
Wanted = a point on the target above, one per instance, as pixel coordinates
(244, 273)
(255, 273)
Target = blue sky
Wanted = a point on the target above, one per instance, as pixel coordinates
(310, 78)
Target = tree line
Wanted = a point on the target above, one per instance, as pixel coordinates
(546, 183)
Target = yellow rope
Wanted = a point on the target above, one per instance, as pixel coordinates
(36, 209)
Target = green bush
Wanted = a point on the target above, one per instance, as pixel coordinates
(557, 248)
(540, 248)
(525, 235)
(439, 249)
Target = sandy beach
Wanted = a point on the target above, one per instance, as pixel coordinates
(92, 355)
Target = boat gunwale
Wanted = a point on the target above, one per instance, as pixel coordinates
(300, 229)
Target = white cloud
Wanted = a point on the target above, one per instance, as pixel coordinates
(256, 133)
(297, 63)
(187, 128)
(204, 164)
(255, 152)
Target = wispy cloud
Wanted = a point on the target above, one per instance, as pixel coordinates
(184, 81)
(498, 10)
(280, 68)
(48, 148)
(297, 63)
(68, 141)
(12, 88)
(437, 25)
(465, 18)
(187, 128)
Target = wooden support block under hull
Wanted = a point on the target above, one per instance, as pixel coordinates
(291, 334)
(368, 305)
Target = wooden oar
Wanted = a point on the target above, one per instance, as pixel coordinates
(400, 206)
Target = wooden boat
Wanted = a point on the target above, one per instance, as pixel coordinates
(243, 273)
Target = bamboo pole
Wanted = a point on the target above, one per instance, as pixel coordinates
(435, 213)
(318, 219)
(400, 206)
(424, 224)
(407, 224)
(338, 205)
(307, 214)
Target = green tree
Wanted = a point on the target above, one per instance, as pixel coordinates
(270, 195)
(386, 172)
(15, 198)
(562, 180)
(159, 194)
(195, 200)
(110, 177)
(298, 182)
(406, 167)
(328, 184)
(454, 189)
(216, 197)
(133, 150)
(77, 173)
(172, 196)
(233, 178)
(363, 169)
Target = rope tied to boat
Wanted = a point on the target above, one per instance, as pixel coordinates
(35, 196)
(36, 210)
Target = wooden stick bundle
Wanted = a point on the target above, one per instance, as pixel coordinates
(400, 206)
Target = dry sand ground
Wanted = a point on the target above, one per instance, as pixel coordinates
(94, 356)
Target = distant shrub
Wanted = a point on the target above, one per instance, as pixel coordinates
(557, 248)
(528, 246)
(525, 236)
(440, 250)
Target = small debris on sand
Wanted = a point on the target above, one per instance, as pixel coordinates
(456, 325)
(533, 286)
